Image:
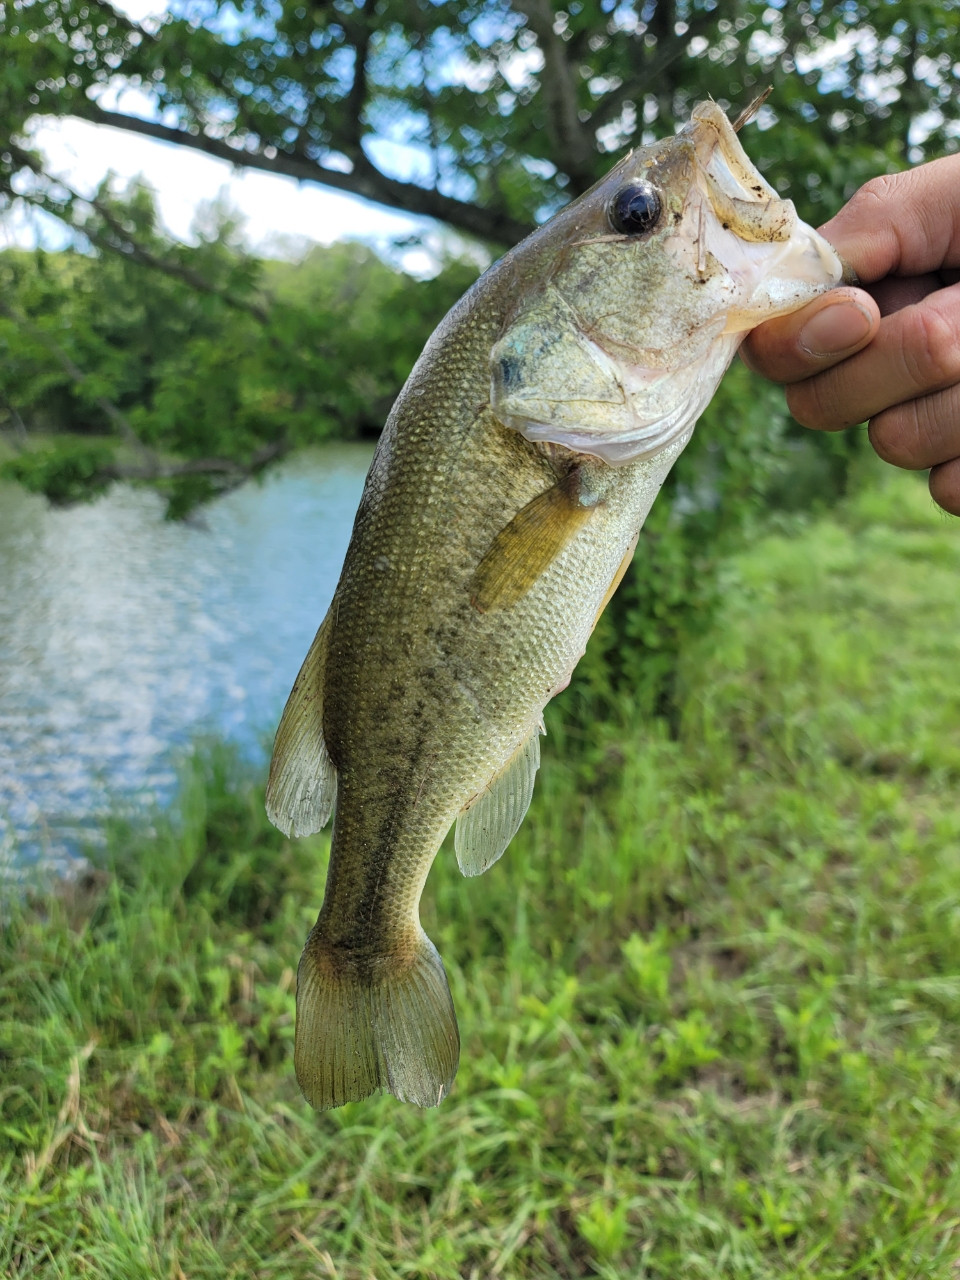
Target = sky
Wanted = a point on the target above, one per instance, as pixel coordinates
(275, 209)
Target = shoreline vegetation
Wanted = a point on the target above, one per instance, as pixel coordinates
(709, 999)
(116, 371)
(195, 374)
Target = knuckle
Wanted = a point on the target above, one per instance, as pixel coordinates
(798, 398)
(895, 437)
(930, 348)
(945, 486)
(811, 404)
(768, 350)
(884, 438)
(753, 352)
(877, 191)
(936, 432)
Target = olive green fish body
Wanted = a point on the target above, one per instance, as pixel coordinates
(425, 696)
(503, 502)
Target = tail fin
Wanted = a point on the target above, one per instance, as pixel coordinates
(389, 1025)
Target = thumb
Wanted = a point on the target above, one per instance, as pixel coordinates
(815, 338)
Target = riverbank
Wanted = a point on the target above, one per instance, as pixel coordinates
(709, 998)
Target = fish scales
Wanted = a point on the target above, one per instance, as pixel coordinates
(405, 634)
(504, 500)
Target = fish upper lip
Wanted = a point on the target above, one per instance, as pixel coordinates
(739, 177)
(736, 190)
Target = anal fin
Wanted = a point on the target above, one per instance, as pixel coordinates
(532, 540)
(490, 821)
(303, 781)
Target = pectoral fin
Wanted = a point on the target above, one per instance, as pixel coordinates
(489, 822)
(532, 540)
(303, 781)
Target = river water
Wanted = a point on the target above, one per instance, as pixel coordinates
(123, 636)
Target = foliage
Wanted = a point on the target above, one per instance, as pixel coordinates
(488, 114)
(746, 461)
(499, 111)
(709, 998)
(267, 358)
(67, 472)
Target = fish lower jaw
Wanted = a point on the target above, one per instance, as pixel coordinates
(775, 279)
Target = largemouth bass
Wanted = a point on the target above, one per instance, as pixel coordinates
(501, 510)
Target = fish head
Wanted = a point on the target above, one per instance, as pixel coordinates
(632, 301)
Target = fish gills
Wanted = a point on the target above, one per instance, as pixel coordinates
(382, 1022)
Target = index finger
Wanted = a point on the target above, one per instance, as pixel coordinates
(902, 223)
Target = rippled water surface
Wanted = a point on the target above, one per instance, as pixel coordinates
(122, 635)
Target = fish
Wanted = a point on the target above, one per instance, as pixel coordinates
(502, 508)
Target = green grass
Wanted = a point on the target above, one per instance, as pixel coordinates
(709, 999)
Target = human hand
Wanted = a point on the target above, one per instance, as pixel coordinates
(889, 351)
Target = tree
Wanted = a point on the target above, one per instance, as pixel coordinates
(486, 115)
(489, 114)
(204, 363)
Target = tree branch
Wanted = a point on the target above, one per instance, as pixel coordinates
(357, 96)
(365, 181)
(666, 54)
(237, 471)
(19, 426)
(125, 244)
(573, 142)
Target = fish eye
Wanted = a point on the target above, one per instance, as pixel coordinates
(635, 209)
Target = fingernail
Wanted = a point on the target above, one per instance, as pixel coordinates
(834, 329)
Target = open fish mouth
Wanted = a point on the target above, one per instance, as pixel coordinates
(623, 347)
(741, 198)
(775, 262)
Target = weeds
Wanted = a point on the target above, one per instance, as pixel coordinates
(709, 999)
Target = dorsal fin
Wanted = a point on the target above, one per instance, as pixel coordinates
(303, 781)
(490, 821)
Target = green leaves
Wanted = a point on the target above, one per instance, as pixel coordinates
(216, 362)
(485, 114)
(69, 471)
(605, 1228)
(489, 114)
